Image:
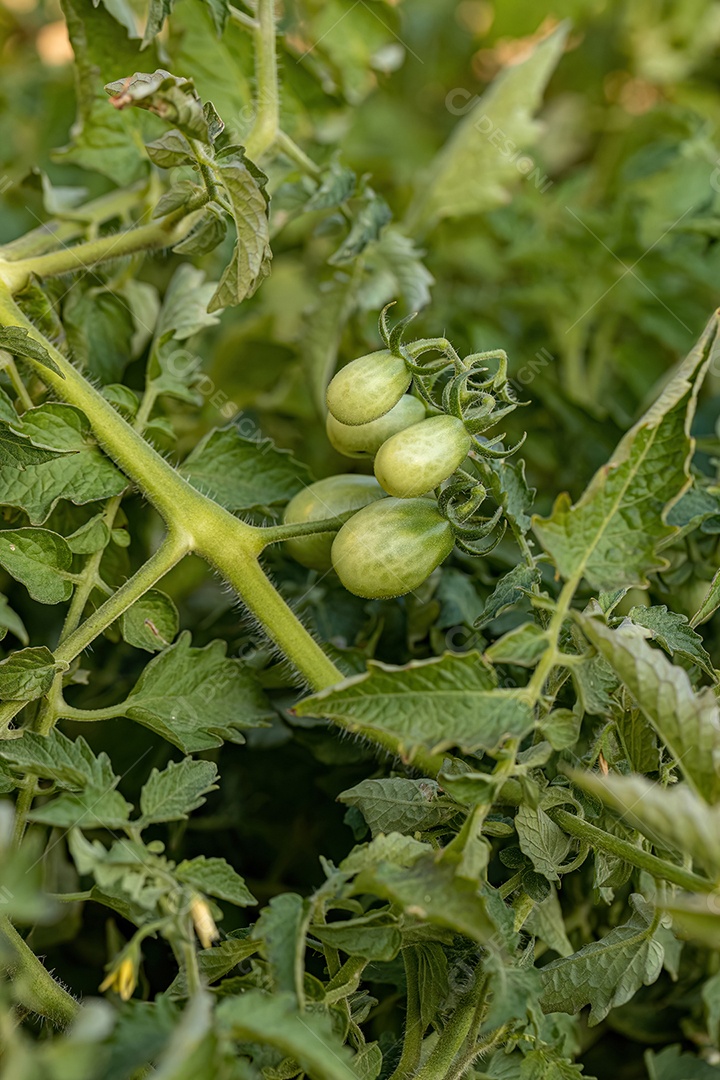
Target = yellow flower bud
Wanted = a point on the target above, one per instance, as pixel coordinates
(203, 922)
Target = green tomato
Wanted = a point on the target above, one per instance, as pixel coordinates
(368, 387)
(325, 499)
(364, 440)
(391, 547)
(419, 458)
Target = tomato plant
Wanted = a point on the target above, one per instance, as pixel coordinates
(360, 507)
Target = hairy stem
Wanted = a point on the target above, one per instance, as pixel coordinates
(660, 869)
(34, 986)
(413, 1036)
(454, 1034)
(168, 555)
(51, 234)
(155, 234)
(265, 129)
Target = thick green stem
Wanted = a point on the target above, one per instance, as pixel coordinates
(168, 555)
(266, 126)
(660, 869)
(454, 1034)
(156, 234)
(412, 1039)
(291, 150)
(35, 987)
(116, 204)
(533, 690)
(490, 1042)
(173, 496)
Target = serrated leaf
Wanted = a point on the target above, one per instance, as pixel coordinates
(184, 307)
(523, 645)
(219, 10)
(606, 973)
(449, 701)
(158, 12)
(514, 987)
(16, 450)
(398, 804)
(81, 474)
(70, 763)
(509, 590)
(336, 185)
(595, 684)
(366, 227)
(688, 723)
(471, 174)
(244, 474)
(282, 928)
(274, 1021)
(393, 269)
(561, 728)
(151, 623)
(674, 634)
(516, 497)
(38, 558)
(92, 808)
(392, 848)
(244, 186)
(215, 877)
(196, 698)
(669, 816)
(171, 97)
(208, 231)
(175, 792)
(170, 150)
(28, 674)
(18, 342)
(100, 330)
(546, 922)
(710, 603)
(216, 962)
(430, 891)
(375, 936)
(611, 535)
(93, 536)
(544, 842)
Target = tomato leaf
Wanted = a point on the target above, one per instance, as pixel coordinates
(450, 701)
(611, 535)
(196, 698)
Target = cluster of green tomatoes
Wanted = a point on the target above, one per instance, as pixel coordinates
(429, 455)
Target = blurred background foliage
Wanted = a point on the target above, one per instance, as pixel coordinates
(596, 270)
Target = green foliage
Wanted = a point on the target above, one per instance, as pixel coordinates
(286, 829)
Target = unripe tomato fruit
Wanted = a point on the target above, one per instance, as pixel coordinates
(364, 440)
(368, 387)
(419, 458)
(391, 547)
(325, 499)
